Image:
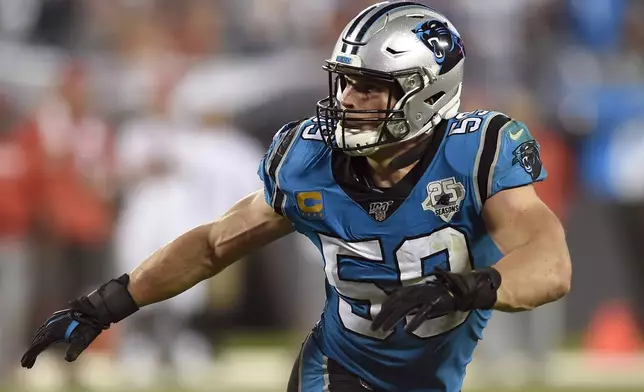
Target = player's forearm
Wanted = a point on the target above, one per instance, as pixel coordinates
(206, 250)
(174, 268)
(536, 273)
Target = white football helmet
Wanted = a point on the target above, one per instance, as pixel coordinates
(402, 42)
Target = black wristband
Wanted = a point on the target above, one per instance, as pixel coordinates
(113, 301)
(488, 281)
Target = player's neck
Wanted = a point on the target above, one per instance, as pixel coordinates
(382, 172)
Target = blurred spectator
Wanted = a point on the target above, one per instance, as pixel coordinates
(144, 48)
(16, 207)
(611, 104)
(71, 151)
(177, 175)
(632, 214)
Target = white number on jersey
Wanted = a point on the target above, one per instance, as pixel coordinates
(467, 122)
(312, 131)
(409, 257)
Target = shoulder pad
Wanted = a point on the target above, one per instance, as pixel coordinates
(496, 151)
(310, 144)
(294, 148)
(464, 137)
(470, 122)
(504, 153)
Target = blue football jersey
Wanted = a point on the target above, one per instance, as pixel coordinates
(373, 242)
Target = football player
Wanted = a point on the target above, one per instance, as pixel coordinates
(425, 218)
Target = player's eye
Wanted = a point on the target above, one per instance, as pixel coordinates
(364, 87)
(372, 88)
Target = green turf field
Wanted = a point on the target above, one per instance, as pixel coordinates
(271, 357)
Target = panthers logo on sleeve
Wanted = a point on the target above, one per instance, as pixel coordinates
(445, 43)
(527, 155)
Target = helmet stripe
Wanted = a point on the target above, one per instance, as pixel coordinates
(356, 22)
(374, 18)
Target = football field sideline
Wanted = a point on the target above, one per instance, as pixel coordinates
(266, 369)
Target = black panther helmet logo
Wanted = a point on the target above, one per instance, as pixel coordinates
(527, 155)
(446, 45)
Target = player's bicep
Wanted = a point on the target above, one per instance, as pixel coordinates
(535, 267)
(250, 224)
(509, 158)
(517, 216)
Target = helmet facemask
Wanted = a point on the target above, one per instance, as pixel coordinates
(342, 129)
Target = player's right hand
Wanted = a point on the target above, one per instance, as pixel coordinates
(85, 319)
(77, 326)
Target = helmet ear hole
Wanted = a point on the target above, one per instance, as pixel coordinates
(434, 98)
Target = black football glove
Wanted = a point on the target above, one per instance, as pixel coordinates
(448, 293)
(85, 319)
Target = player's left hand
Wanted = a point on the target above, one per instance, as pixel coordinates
(447, 293)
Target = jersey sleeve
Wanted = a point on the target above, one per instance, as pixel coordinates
(510, 157)
(271, 163)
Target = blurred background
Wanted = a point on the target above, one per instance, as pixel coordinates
(124, 123)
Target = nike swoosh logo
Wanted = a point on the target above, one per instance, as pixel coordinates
(516, 135)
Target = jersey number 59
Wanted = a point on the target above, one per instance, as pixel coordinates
(360, 273)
